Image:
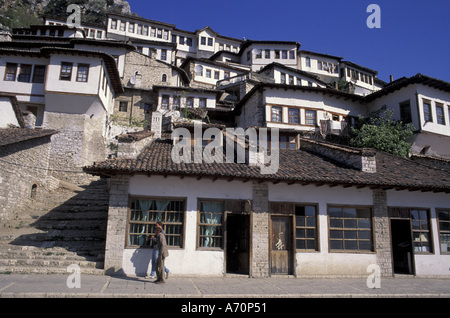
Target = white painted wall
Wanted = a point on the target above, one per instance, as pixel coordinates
(7, 114)
(323, 262)
(188, 260)
(431, 263)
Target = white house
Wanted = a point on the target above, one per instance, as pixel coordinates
(313, 216)
(424, 102)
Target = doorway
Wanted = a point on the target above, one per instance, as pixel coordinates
(238, 244)
(402, 247)
(281, 246)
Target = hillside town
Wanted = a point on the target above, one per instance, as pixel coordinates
(107, 129)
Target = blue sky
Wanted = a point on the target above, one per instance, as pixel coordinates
(414, 36)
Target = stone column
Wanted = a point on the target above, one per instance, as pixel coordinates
(117, 223)
(260, 230)
(382, 232)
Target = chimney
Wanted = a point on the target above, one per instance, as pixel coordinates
(391, 78)
(157, 124)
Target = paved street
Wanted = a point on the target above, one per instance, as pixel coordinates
(95, 286)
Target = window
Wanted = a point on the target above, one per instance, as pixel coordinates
(444, 229)
(306, 227)
(287, 142)
(99, 34)
(308, 61)
(181, 39)
(159, 33)
(226, 74)
(427, 111)
(208, 73)
(310, 117)
(203, 40)
(164, 78)
(189, 41)
(39, 74)
(145, 31)
(123, 106)
(131, 27)
(165, 102)
(267, 54)
(350, 229)
(216, 75)
(277, 54)
(25, 73)
(114, 24)
(10, 72)
(283, 78)
(210, 42)
(421, 230)
(163, 54)
(277, 114)
(284, 54)
(210, 224)
(291, 80)
(176, 102)
(83, 72)
(405, 112)
(144, 213)
(139, 29)
(294, 116)
(66, 71)
(202, 102)
(190, 102)
(122, 26)
(292, 55)
(440, 114)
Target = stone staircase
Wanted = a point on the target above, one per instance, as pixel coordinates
(61, 228)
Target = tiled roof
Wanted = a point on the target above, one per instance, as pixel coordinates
(14, 135)
(295, 166)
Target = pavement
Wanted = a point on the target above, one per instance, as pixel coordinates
(102, 286)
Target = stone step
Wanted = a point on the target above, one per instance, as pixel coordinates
(47, 270)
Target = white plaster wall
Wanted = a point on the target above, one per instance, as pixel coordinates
(433, 263)
(7, 114)
(188, 260)
(323, 262)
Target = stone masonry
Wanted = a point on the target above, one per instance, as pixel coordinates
(23, 174)
(260, 230)
(382, 232)
(117, 223)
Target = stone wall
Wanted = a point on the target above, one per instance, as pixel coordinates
(79, 143)
(117, 224)
(361, 159)
(260, 230)
(23, 167)
(382, 232)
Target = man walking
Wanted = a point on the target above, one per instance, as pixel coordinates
(163, 253)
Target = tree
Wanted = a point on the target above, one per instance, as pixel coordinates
(380, 131)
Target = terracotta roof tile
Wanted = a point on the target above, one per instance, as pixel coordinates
(294, 166)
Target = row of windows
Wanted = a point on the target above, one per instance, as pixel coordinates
(349, 228)
(440, 112)
(276, 115)
(278, 54)
(210, 73)
(24, 73)
(289, 79)
(178, 101)
(66, 72)
(140, 29)
(358, 76)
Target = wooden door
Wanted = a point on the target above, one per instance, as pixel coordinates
(281, 245)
